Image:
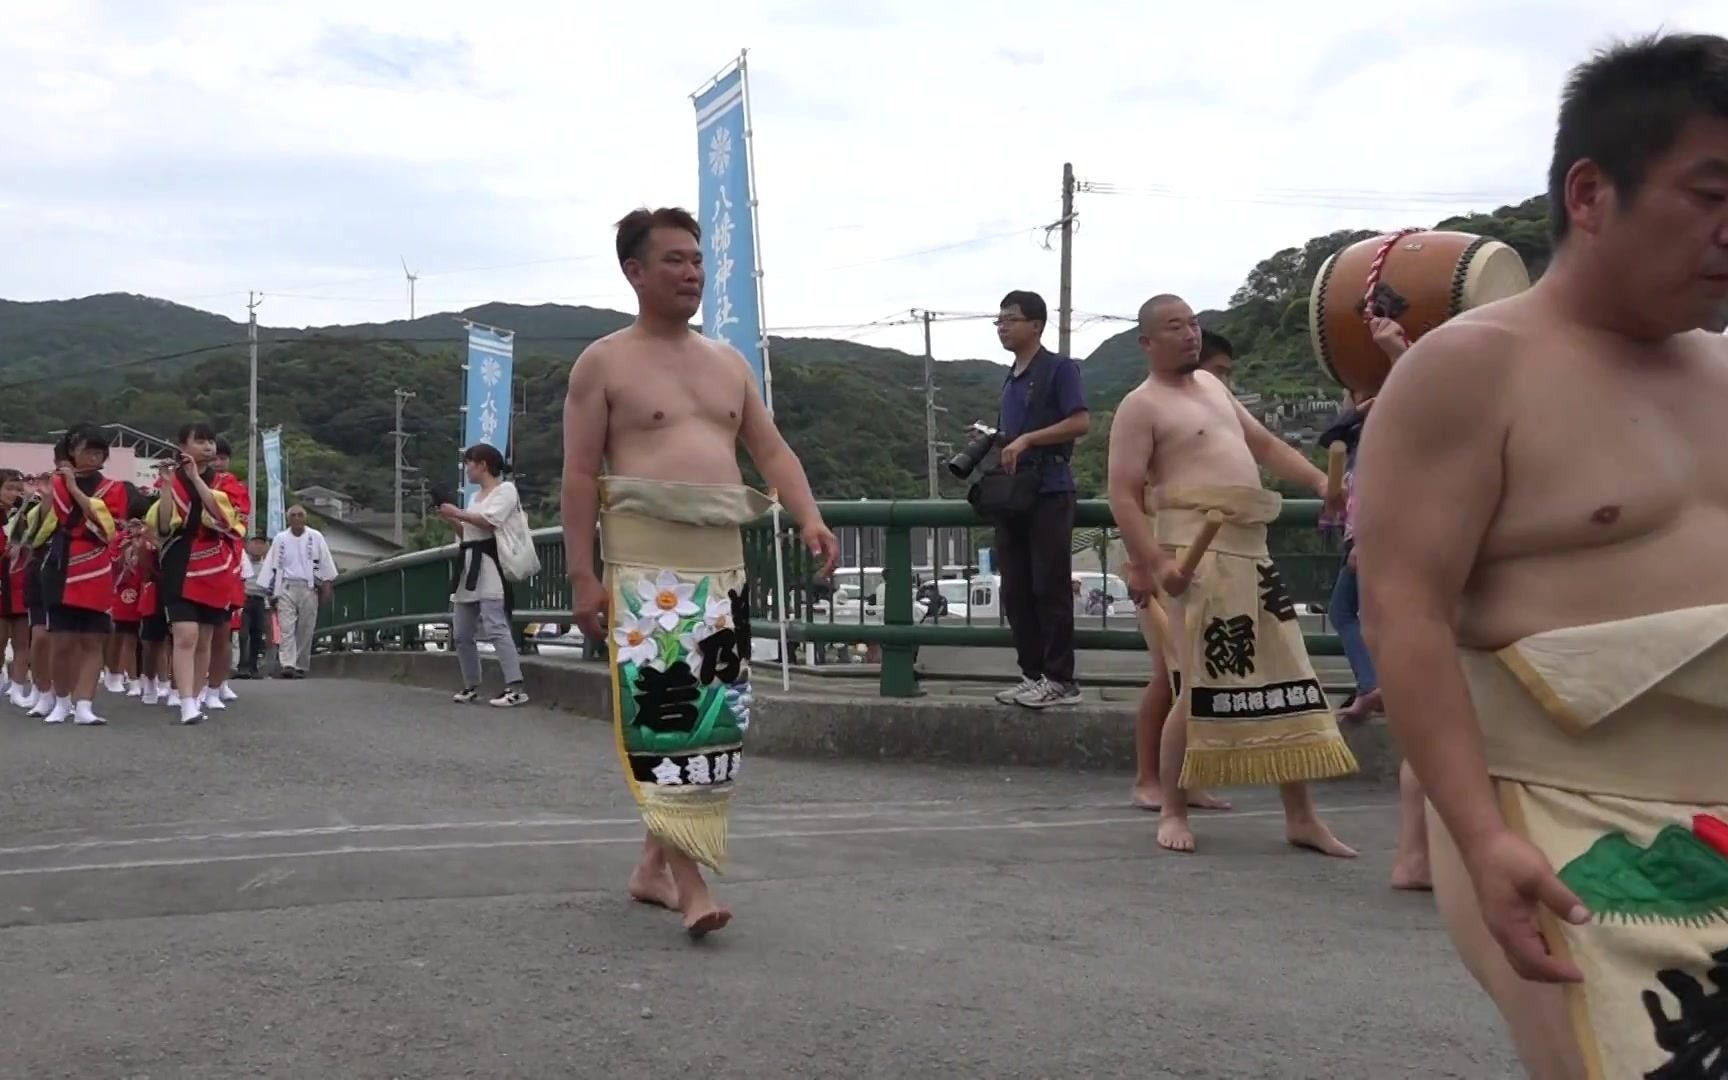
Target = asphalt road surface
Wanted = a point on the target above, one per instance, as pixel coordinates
(362, 880)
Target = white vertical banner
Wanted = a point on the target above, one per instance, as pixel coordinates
(276, 516)
(732, 300)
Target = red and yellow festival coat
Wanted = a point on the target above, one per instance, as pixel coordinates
(78, 571)
(231, 486)
(14, 562)
(21, 559)
(197, 560)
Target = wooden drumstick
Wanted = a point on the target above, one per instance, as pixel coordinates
(1197, 550)
(1335, 472)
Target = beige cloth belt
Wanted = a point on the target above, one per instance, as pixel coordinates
(1636, 708)
(1179, 513)
(694, 527)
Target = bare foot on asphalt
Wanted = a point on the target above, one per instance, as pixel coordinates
(1151, 797)
(1412, 875)
(700, 923)
(654, 887)
(1315, 836)
(1175, 835)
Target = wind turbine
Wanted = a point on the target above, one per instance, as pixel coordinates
(412, 278)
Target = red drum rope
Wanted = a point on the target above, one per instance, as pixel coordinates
(1376, 267)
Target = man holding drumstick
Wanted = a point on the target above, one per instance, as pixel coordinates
(1217, 358)
(1248, 708)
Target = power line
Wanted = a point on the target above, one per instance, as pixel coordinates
(1340, 199)
(954, 246)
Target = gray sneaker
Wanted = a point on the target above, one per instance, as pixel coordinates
(1013, 694)
(1051, 694)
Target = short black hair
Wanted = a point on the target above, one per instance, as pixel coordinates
(138, 501)
(85, 436)
(635, 227)
(196, 429)
(1030, 304)
(1625, 107)
(1213, 344)
(222, 447)
(487, 455)
(63, 449)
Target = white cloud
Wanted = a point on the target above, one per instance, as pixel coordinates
(196, 150)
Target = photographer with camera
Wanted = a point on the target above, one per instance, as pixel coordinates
(1030, 497)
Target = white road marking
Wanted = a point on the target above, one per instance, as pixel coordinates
(636, 838)
(753, 813)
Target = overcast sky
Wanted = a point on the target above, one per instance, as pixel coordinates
(907, 153)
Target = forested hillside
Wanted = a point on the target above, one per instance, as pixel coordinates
(854, 412)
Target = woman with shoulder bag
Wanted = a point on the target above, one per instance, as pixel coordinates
(482, 594)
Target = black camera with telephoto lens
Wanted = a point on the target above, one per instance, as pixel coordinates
(983, 439)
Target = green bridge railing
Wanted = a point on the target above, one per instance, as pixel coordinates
(399, 602)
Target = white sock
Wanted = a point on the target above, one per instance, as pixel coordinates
(45, 703)
(150, 696)
(189, 711)
(173, 699)
(163, 687)
(23, 695)
(85, 713)
(134, 687)
(61, 711)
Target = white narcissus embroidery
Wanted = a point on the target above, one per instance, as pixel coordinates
(716, 618)
(666, 599)
(636, 644)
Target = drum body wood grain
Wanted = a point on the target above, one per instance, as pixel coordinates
(1427, 278)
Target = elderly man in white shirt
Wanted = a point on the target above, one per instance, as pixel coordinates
(296, 573)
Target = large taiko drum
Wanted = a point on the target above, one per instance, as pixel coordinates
(1425, 279)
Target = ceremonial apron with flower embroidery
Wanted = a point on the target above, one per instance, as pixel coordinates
(679, 638)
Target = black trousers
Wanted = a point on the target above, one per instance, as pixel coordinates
(1036, 562)
(254, 633)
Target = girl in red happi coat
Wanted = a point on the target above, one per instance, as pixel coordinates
(79, 521)
(14, 610)
(195, 527)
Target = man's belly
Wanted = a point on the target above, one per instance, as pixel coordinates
(679, 460)
(1209, 470)
(1512, 599)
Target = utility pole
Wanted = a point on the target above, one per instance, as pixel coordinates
(253, 299)
(932, 478)
(402, 397)
(1065, 297)
(930, 411)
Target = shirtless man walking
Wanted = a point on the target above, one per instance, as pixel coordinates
(1184, 434)
(1218, 359)
(1543, 535)
(661, 408)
